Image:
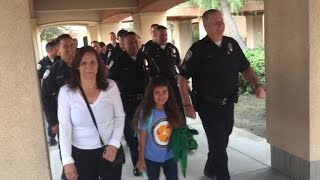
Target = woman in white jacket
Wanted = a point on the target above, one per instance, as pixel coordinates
(84, 156)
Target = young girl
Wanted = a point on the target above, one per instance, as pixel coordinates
(157, 115)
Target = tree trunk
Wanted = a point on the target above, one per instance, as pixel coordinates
(231, 24)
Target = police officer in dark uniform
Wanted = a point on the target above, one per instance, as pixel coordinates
(214, 63)
(153, 34)
(131, 71)
(42, 66)
(55, 77)
(47, 61)
(119, 48)
(97, 47)
(167, 57)
(113, 41)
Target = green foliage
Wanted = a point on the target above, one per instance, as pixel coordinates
(206, 4)
(257, 61)
(235, 5)
(195, 35)
(49, 33)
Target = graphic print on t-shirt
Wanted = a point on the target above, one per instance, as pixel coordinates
(161, 132)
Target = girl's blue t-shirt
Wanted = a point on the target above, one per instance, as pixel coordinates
(158, 136)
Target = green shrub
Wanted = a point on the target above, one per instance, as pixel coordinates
(256, 58)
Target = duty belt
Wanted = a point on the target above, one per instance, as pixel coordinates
(131, 97)
(219, 101)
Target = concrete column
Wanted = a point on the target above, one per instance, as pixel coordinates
(94, 33)
(185, 35)
(106, 29)
(202, 31)
(254, 31)
(143, 21)
(23, 152)
(293, 86)
(36, 45)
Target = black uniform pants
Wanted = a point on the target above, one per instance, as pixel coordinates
(217, 121)
(129, 132)
(91, 165)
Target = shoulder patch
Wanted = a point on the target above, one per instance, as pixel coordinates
(188, 55)
(46, 74)
(39, 67)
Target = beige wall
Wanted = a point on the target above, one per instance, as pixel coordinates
(67, 16)
(94, 33)
(23, 153)
(185, 34)
(143, 21)
(292, 76)
(254, 31)
(314, 74)
(106, 29)
(241, 25)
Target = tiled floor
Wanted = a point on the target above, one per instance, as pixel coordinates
(249, 158)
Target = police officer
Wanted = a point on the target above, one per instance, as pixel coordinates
(119, 48)
(47, 61)
(167, 57)
(153, 34)
(214, 63)
(132, 70)
(54, 78)
(113, 42)
(42, 66)
(97, 47)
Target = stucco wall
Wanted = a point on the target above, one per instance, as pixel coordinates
(293, 95)
(23, 151)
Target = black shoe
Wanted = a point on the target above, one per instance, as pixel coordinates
(136, 172)
(209, 175)
(52, 142)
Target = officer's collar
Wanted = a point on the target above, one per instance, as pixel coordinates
(161, 46)
(208, 40)
(62, 63)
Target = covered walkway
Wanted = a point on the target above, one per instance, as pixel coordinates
(249, 158)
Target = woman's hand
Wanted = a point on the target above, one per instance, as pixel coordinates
(110, 153)
(141, 165)
(70, 171)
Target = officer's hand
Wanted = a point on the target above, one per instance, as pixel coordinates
(260, 92)
(141, 165)
(190, 112)
(55, 129)
(70, 171)
(110, 153)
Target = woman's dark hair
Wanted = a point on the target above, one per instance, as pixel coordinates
(171, 108)
(102, 81)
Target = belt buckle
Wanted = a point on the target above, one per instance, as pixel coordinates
(139, 96)
(224, 101)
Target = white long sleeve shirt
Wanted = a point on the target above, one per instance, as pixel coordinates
(76, 126)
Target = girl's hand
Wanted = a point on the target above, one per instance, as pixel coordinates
(110, 153)
(70, 171)
(141, 165)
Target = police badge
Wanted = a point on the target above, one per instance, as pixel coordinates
(230, 48)
(146, 64)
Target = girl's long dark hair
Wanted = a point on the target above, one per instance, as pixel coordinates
(101, 78)
(171, 108)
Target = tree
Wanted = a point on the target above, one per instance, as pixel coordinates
(226, 6)
(49, 33)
